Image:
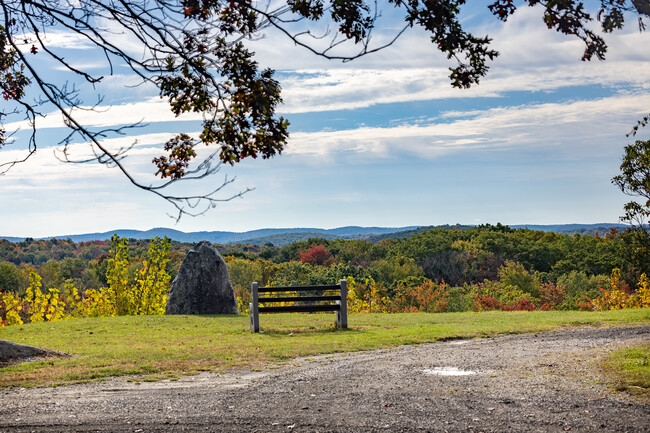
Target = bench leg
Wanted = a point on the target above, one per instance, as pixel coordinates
(254, 309)
(342, 314)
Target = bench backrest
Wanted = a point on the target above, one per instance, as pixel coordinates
(305, 300)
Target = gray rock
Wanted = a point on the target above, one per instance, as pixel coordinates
(202, 285)
(11, 352)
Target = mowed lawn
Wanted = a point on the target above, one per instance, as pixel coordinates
(156, 347)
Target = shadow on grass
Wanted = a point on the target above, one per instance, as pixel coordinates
(312, 330)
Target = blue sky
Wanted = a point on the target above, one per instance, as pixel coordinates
(380, 141)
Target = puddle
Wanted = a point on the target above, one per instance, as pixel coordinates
(459, 342)
(448, 371)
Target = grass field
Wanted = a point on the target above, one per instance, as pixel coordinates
(158, 347)
(631, 369)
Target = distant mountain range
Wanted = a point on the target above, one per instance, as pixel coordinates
(284, 236)
(222, 237)
(560, 228)
(568, 229)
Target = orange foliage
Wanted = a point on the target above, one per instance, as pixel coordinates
(551, 295)
(428, 297)
(489, 303)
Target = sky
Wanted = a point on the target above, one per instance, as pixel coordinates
(380, 141)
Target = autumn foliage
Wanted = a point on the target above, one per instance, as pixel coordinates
(617, 298)
(442, 270)
(316, 255)
(124, 295)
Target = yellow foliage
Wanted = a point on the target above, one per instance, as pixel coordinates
(72, 300)
(36, 300)
(366, 297)
(146, 295)
(54, 307)
(117, 275)
(643, 292)
(616, 299)
(431, 297)
(243, 305)
(149, 295)
(97, 303)
(12, 306)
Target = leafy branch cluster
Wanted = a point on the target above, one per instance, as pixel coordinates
(199, 64)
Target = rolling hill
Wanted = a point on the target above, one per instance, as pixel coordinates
(284, 236)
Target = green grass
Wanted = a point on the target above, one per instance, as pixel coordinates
(171, 346)
(631, 369)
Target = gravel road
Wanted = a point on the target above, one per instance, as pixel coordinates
(523, 383)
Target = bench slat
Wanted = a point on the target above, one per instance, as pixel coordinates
(297, 289)
(336, 302)
(300, 308)
(300, 298)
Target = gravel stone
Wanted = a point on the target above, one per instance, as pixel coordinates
(523, 383)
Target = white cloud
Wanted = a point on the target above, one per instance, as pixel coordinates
(150, 110)
(528, 126)
(572, 125)
(43, 171)
(61, 39)
(317, 90)
(46, 170)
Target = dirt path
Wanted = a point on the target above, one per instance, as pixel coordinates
(529, 383)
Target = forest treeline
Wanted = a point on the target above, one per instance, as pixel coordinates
(477, 268)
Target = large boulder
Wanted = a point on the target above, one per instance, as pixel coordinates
(11, 352)
(202, 285)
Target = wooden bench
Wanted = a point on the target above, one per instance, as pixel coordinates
(304, 303)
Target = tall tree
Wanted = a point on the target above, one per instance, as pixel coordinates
(194, 53)
(634, 181)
